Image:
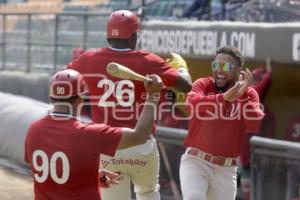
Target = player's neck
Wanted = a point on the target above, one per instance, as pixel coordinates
(225, 88)
(119, 46)
(119, 49)
(65, 109)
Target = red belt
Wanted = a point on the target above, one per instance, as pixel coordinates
(217, 160)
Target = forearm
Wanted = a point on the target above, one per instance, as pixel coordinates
(184, 73)
(143, 128)
(146, 120)
(184, 81)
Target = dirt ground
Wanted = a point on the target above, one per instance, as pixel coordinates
(14, 186)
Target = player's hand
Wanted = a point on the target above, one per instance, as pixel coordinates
(108, 178)
(233, 93)
(245, 80)
(153, 86)
(176, 61)
(268, 65)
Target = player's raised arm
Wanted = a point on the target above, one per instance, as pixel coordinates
(144, 126)
(183, 81)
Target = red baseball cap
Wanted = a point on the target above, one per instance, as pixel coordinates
(122, 24)
(66, 84)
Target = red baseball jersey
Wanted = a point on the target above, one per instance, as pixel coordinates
(64, 157)
(115, 101)
(293, 129)
(267, 128)
(216, 126)
(263, 86)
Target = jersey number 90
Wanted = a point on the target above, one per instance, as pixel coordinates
(48, 166)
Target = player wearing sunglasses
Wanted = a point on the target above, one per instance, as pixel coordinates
(223, 110)
(225, 71)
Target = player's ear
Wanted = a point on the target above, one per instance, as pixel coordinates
(133, 41)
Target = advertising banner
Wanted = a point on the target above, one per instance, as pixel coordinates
(197, 39)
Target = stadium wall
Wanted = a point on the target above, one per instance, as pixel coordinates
(199, 39)
(33, 85)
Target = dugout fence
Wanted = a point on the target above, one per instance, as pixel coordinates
(275, 165)
(275, 169)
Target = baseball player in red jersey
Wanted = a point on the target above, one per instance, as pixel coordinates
(293, 129)
(223, 109)
(63, 152)
(119, 102)
(76, 52)
(293, 174)
(261, 83)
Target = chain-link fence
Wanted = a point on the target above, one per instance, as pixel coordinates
(45, 41)
(275, 169)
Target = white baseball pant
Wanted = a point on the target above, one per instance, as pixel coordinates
(202, 180)
(138, 165)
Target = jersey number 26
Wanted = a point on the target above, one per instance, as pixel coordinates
(117, 90)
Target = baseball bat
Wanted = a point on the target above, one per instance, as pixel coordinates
(120, 71)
